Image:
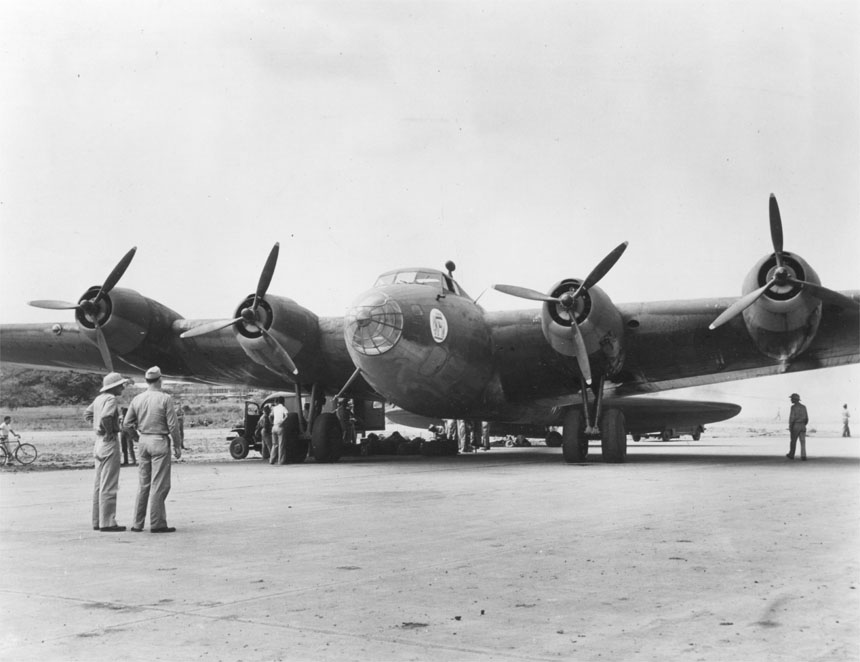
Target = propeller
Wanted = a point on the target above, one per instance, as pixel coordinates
(90, 309)
(251, 316)
(782, 277)
(567, 301)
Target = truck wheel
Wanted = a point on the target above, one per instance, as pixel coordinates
(326, 438)
(239, 448)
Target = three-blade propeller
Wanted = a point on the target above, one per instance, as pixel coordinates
(567, 302)
(90, 309)
(782, 276)
(252, 315)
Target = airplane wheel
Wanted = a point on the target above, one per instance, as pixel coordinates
(574, 443)
(637, 437)
(666, 435)
(697, 435)
(291, 438)
(239, 448)
(326, 438)
(613, 436)
(553, 439)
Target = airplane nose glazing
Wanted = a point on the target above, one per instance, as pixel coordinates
(374, 324)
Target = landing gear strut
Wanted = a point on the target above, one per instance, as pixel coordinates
(580, 426)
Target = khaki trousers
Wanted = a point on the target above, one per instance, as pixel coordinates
(106, 486)
(154, 484)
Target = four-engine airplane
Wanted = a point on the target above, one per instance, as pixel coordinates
(418, 341)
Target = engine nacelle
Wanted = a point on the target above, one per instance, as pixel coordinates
(292, 325)
(784, 320)
(127, 319)
(599, 322)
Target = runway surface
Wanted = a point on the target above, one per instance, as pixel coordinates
(717, 550)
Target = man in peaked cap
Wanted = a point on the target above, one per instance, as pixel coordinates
(103, 414)
(797, 420)
(154, 415)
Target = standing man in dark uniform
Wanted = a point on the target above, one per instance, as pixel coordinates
(797, 420)
(104, 416)
(155, 417)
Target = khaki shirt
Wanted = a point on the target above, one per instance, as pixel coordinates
(798, 415)
(103, 413)
(152, 412)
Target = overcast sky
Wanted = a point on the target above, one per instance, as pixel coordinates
(523, 140)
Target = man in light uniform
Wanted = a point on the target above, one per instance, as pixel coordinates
(279, 443)
(797, 420)
(154, 415)
(103, 414)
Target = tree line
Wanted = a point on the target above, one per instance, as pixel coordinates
(23, 387)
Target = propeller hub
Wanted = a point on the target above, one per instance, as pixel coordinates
(248, 315)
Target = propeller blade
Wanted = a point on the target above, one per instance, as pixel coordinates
(827, 295)
(267, 273)
(349, 382)
(603, 268)
(776, 229)
(115, 275)
(280, 351)
(209, 327)
(740, 305)
(103, 347)
(581, 351)
(52, 304)
(525, 293)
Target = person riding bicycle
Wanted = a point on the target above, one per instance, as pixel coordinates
(5, 431)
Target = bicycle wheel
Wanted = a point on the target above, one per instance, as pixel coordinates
(3, 456)
(26, 453)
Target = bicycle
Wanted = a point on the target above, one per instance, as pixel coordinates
(24, 453)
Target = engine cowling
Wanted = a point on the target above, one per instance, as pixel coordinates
(126, 317)
(292, 326)
(599, 322)
(784, 320)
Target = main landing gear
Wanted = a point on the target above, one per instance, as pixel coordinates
(579, 428)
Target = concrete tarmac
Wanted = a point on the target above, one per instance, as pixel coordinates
(716, 550)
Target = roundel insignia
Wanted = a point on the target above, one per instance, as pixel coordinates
(438, 325)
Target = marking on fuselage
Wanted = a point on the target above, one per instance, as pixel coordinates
(438, 325)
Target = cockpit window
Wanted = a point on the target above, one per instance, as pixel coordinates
(420, 277)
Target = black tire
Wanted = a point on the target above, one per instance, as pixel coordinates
(613, 436)
(666, 435)
(637, 437)
(239, 448)
(26, 453)
(4, 456)
(326, 438)
(553, 439)
(292, 443)
(574, 443)
(697, 435)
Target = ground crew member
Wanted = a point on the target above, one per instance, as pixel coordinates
(104, 416)
(126, 439)
(797, 421)
(279, 442)
(846, 416)
(154, 415)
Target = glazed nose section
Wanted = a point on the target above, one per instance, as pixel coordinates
(374, 324)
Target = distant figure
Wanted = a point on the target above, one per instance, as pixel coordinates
(797, 420)
(279, 443)
(485, 435)
(5, 431)
(155, 417)
(180, 417)
(846, 431)
(104, 415)
(464, 436)
(127, 437)
(347, 420)
(264, 425)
